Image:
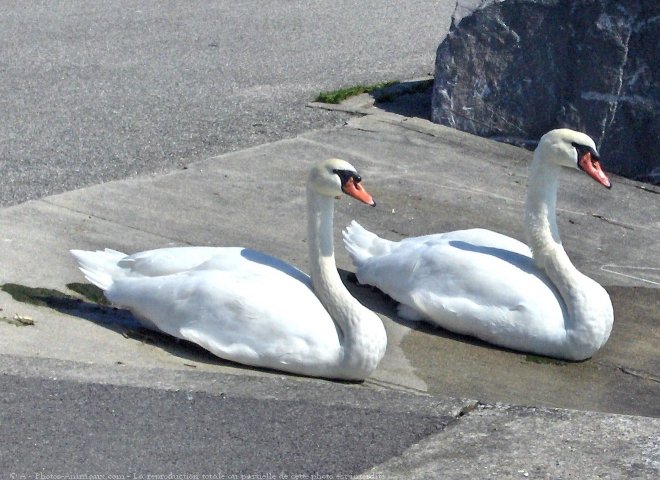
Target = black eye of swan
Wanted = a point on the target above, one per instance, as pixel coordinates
(346, 175)
(582, 151)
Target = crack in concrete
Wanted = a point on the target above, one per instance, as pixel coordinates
(629, 371)
(635, 373)
(647, 189)
(612, 222)
(394, 386)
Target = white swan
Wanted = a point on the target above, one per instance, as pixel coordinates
(249, 307)
(483, 284)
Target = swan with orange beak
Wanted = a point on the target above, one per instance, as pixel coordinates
(477, 282)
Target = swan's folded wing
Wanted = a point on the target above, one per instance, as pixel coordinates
(261, 318)
(453, 263)
(469, 288)
(169, 261)
(507, 322)
(478, 237)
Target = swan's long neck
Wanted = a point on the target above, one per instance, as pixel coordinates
(361, 331)
(586, 302)
(541, 220)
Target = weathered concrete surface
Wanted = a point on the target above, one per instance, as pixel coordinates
(109, 90)
(121, 420)
(424, 182)
(426, 178)
(517, 442)
(515, 69)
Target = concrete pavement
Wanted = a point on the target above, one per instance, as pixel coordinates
(439, 404)
(110, 90)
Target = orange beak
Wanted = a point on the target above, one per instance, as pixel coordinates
(356, 190)
(591, 167)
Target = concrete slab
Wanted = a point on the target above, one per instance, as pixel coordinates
(516, 443)
(426, 179)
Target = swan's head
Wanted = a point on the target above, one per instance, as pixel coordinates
(572, 149)
(333, 177)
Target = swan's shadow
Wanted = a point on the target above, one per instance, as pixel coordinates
(94, 308)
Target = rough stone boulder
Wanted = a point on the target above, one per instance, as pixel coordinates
(514, 69)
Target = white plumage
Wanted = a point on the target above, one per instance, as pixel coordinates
(249, 307)
(487, 285)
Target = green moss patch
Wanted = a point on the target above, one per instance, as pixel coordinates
(546, 360)
(338, 96)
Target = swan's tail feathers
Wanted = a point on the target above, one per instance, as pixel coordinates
(362, 244)
(99, 267)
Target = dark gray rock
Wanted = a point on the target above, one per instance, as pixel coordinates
(514, 69)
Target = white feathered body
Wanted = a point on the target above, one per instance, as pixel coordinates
(252, 308)
(480, 283)
(239, 304)
(474, 282)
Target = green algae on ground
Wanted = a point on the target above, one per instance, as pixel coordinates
(338, 96)
(530, 357)
(90, 292)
